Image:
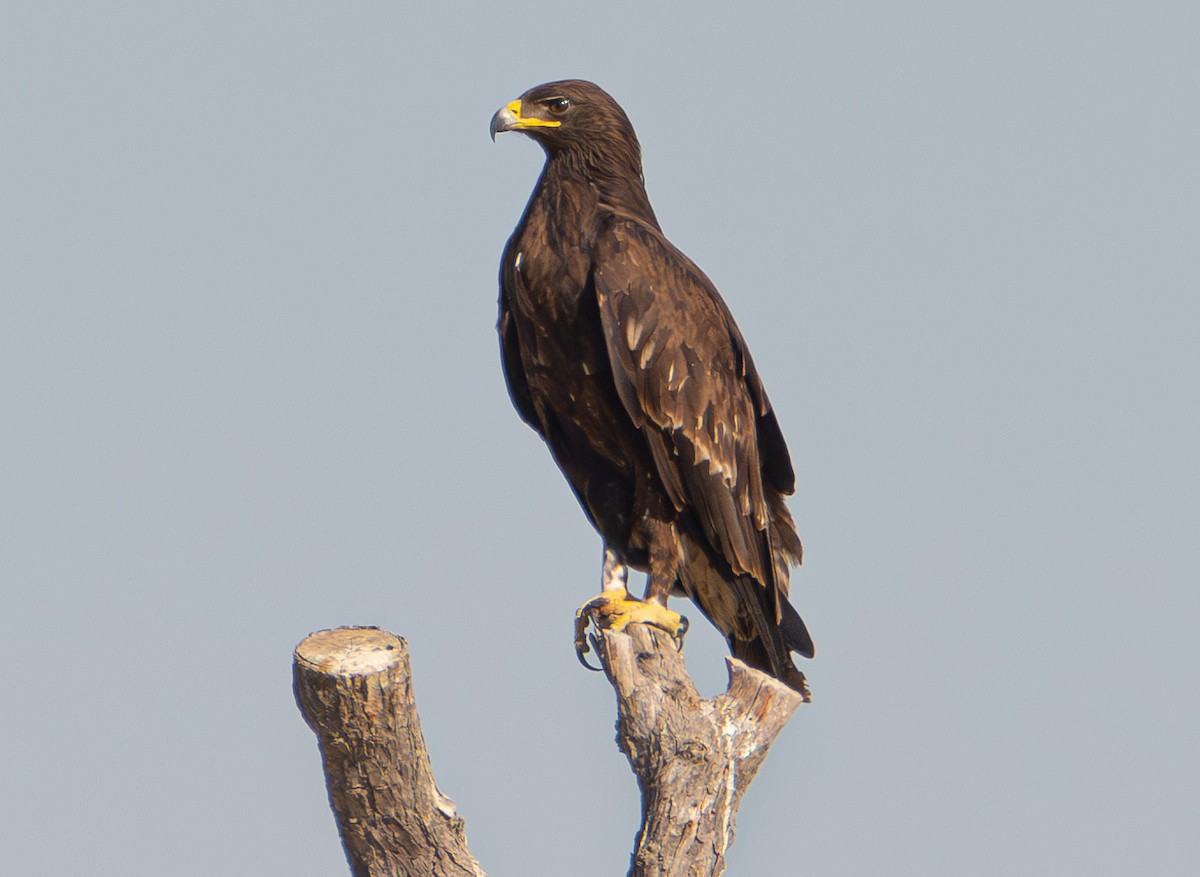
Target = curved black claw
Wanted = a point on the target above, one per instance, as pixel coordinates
(581, 654)
(679, 634)
(582, 618)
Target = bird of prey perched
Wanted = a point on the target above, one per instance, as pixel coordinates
(621, 354)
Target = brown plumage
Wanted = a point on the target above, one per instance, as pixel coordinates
(619, 351)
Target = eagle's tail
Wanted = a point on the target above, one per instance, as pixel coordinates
(768, 646)
(795, 634)
(754, 654)
(744, 611)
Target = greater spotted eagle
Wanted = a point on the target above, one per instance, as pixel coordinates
(621, 354)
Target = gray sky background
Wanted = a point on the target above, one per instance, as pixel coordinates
(249, 388)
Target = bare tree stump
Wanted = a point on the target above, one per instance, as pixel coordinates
(354, 688)
(694, 757)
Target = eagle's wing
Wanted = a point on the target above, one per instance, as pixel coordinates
(510, 348)
(686, 379)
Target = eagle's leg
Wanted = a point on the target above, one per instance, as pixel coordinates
(615, 608)
(614, 589)
(665, 560)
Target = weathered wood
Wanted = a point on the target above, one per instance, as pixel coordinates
(694, 757)
(354, 688)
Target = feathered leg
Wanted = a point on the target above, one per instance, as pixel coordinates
(615, 607)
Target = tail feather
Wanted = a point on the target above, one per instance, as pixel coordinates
(745, 612)
(768, 646)
(754, 653)
(795, 633)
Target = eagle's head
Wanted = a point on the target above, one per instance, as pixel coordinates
(571, 115)
(588, 140)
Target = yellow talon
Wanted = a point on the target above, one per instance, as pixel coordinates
(612, 612)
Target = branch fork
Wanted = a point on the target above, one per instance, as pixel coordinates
(693, 757)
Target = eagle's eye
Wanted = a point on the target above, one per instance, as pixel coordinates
(558, 105)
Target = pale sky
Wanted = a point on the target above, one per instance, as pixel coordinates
(250, 388)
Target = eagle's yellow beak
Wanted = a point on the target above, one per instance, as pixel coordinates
(508, 118)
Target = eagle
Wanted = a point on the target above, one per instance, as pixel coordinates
(624, 358)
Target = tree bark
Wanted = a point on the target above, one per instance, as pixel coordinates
(354, 688)
(694, 757)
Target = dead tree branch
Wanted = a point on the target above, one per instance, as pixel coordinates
(694, 757)
(354, 688)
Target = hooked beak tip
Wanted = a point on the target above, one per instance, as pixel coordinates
(504, 120)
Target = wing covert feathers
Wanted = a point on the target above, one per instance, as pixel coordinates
(685, 378)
